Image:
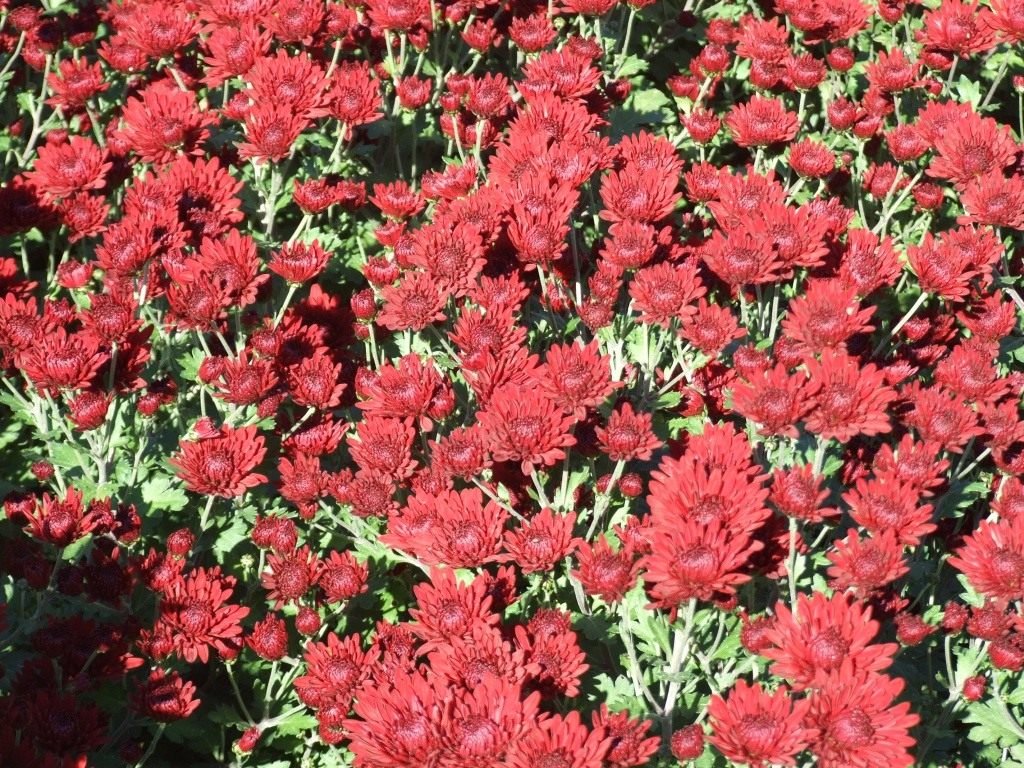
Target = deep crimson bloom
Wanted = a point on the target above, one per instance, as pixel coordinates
(62, 169)
(811, 159)
(631, 746)
(334, 671)
(562, 73)
(942, 418)
(269, 638)
(635, 194)
(162, 122)
(577, 377)
(886, 503)
(315, 381)
(776, 400)
(195, 611)
(221, 463)
(285, 80)
(453, 257)
(760, 122)
(232, 50)
(60, 361)
(695, 560)
(824, 639)
(562, 741)
(962, 28)
(290, 575)
(826, 315)
(299, 262)
(867, 262)
(992, 558)
(342, 577)
(75, 82)
(527, 427)
(797, 492)
(858, 724)
(398, 722)
(628, 435)
(415, 302)
(971, 147)
(354, 96)
(994, 199)
(465, 532)
(849, 398)
(448, 608)
(61, 521)
(245, 381)
(468, 661)
(666, 292)
(866, 564)
(891, 71)
(165, 697)
(742, 257)
(757, 728)
(541, 542)
(271, 131)
(384, 445)
(404, 391)
(157, 29)
(604, 572)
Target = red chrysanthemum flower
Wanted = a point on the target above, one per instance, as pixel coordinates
(603, 571)
(849, 398)
(562, 73)
(286, 80)
(342, 577)
(232, 50)
(270, 132)
(942, 418)
(637, 194)
(60, 361)
(741, 257)
(665, 292)
(61, 170)
(757, 728)
(354, 96)
(959, 27)
(415, 302)
(797, 492)
(165, 697)
(826, 315)
(299, 262)
(994, 199)
(542, 541)
(776, 400)
(384, 445)
(404, 391)
(195, 611)
(335, 669)
(631, 746)
(527, 427)
(866, 564)
(628, 435)
(269, 638)
(821, 636)
(885, 503)
(75, 82)
(315, 382)
(157, 29)
(811, 159)
(60, 521)
(452, 256)
(465, 532)
(290, 575)
(692, 560)
(858, 724)
(577, 377)
(449, 608)
(760, 122)
(162, 122)
(971, 147)
(560, 741)
(992, 558)
(221, 464)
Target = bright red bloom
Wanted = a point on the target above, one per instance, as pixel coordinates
(757, 728)
(628, 435)
(61, 170)
(577, 377)
(75, 83)
(315, 382)
(858, 724)
(384, 445)
(741, 257)
(603, 572)
(270, 132)
(826, 315)
(527, 427)
(561, 741)
(354, 96)
(334, 671)
(866, 565)
(971, 147)
(195, 611)
(290, 576)
(867, 262)
(635, 194)
(299, 262)
(849, 398)
(631, 746)
(221, 464)
(232, 50)
(992, 558)
(165, 697)
(994, 199)
(962, 28)
(448, 608)
(61, 521)
(163, 122)
(285, 80)
(886, 503)
(415, 302)
(823, 638)
(942, 418)
(761, 122)
(61, 361)
(797, 492)
(157, 29)
(777, 400)
(542, 541)
(694, 560)
(465, 532)
(404, 391)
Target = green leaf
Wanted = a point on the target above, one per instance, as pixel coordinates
(990, 725)
(160, 493)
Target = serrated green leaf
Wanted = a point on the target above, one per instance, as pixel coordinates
(159, 492)
(990, 725)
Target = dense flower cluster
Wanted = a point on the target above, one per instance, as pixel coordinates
(581, 384)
